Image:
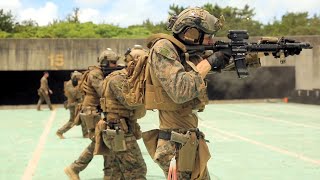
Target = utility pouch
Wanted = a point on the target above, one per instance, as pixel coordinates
(114, 140)
(90, 119)
(187, 153)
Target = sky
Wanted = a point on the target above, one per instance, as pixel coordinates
(130, 12)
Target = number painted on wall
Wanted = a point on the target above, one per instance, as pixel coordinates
(56, 60)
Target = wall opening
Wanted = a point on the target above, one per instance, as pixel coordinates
(20, 87)
(263, 82)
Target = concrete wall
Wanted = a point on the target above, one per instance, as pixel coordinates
(70, 54)
(307, 64)
(56, 54)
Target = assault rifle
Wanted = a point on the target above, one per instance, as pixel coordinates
(238, 48)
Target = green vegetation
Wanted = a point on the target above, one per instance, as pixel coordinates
(235, 18)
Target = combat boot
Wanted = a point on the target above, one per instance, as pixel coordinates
(71, 174)
(60, 135)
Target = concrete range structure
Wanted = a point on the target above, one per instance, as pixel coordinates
(61, 55)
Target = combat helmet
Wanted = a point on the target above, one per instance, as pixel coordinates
(132, 58)
(134, 53)
(76, 75)
(197, 18)
(192, 24)
(106, 57)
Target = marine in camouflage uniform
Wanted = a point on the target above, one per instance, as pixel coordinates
(44, 91)
(74, 97)
(91, 85)
(175, 86)
(129, 163)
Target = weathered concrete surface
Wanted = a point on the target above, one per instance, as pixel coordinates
(56, 54)
(70, 54)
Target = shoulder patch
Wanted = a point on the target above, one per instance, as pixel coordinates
(165, 48)
(164, 51)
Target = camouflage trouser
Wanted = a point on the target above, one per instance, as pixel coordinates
(84, 159)
(127, 164)
(163, 155)
(44, 97)
(66, 127)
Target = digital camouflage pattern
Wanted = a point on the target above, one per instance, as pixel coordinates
(84, 159)
(164, 153)
(108, 55)
(130, 163)
(74, 96)
(92, 88)
(182, 84)
(127, 164)
(117, 85)
(197, 18)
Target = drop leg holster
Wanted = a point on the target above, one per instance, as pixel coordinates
(90, 116)
(186, 143)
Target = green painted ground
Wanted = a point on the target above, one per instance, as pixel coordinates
(264, 141)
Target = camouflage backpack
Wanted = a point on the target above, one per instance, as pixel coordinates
(138, 71)
(137, 58)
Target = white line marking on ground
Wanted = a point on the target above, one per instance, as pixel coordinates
(285, 111)
(272, 119)
(267, 146)
(32, 165)
(292, 107)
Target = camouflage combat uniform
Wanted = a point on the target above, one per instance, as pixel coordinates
(43, 93)
(182, 92)
(74, 97)
(128, 164)
(92, 85)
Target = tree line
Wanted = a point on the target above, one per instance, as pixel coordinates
(235, 18)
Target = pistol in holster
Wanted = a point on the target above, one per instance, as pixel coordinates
(120, 124)
(187, 149)
(114, 139)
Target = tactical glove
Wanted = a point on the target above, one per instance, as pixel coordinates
(218, 60)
